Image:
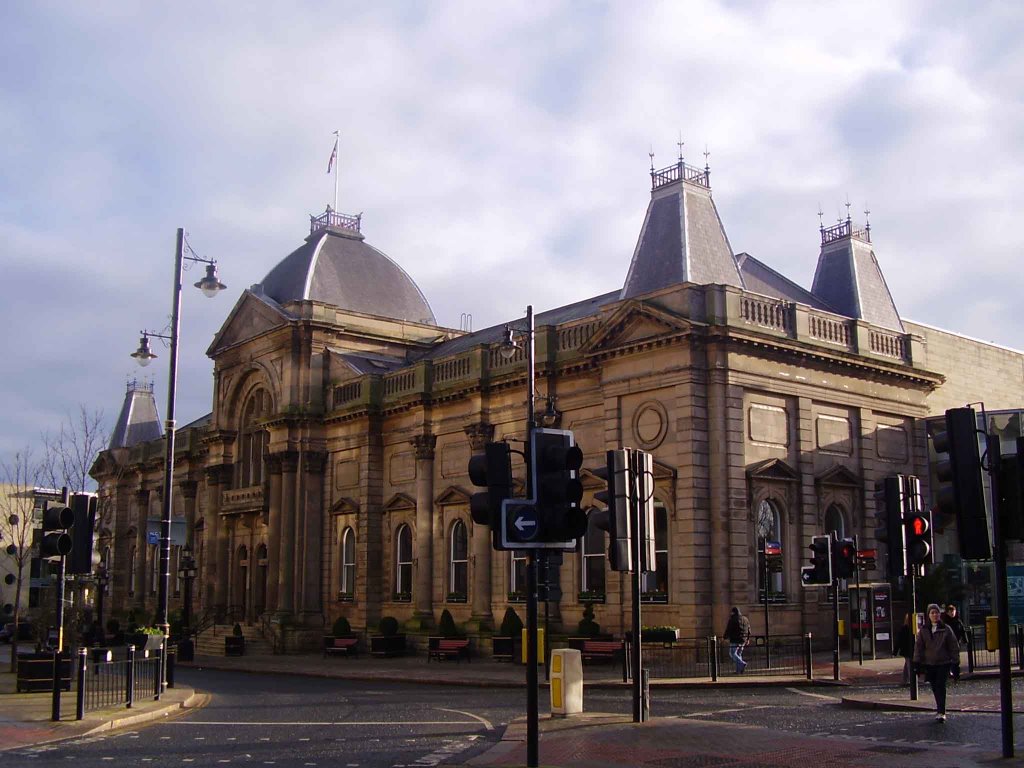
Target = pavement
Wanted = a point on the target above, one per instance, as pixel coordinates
(592, 739)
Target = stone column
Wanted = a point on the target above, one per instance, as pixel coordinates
(720, 555)
(423, 591)
(141, 561)
(217, 479)
(310, 539)
(287, 543)
(480, 543)
(188, 495)
(274, 530)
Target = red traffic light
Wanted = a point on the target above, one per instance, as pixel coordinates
(919, 526)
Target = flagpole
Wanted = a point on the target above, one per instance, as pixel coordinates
(336, 142)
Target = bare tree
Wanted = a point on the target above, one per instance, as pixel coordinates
(69, 454)
(20, 476)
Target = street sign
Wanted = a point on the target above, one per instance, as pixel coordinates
(520, 527)
(773, 548)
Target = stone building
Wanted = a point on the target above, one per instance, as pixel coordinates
(331, 476)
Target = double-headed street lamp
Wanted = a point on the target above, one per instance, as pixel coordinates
(210, 285)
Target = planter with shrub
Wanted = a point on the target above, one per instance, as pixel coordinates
(389, 641)
(504, 644)
(234, 644)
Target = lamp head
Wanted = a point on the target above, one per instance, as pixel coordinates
(143, 355)
(509, 345)
(210, 285)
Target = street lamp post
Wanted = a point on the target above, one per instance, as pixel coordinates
(508, 350)
(210, 285)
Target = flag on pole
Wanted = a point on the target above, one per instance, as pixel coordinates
(334, 156)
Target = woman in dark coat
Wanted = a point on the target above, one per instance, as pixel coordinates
(905, 647)
(936, 652)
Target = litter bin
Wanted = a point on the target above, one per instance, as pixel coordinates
(992, 633)
(540, 646)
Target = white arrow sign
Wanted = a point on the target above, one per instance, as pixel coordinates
(522, 522)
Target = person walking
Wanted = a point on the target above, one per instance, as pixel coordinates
(737, 632)
(905, 647)
(935, 653)
(951, 620)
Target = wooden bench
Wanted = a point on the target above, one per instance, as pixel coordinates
(442, 648)
(601, 650)
(341, 646)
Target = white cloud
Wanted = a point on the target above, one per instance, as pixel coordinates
(497, 151)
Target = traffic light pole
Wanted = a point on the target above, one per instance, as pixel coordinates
(640, 705)
(835, 628)
(767, 631)
(860, 615)
(532, 683)
(914, 687)
(59, 619)
(1002, 599)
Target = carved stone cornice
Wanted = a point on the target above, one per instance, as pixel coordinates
(424, 445)
(479, 434)
(188, 488)
(314, 461)
(289, 460)
(274, 463)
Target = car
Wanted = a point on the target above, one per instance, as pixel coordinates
(26, 632)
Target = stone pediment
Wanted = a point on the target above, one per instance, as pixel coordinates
(251, 316)
(635, 324)
(400, 502)
(345, 506)
(663, 472)
(837, 474)
(591, 482)
(773, 469)
(453, 494)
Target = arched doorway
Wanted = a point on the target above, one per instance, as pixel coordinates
(260, 601)
(241, 591)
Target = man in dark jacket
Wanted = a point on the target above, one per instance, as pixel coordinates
(952, 620)
(737, 632)
(935, 652)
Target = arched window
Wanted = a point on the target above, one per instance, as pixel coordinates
(517, 576)
(403, 564)
(655, 587)
(769, 532)
(348, 563)
(458, 564)
(592, 560)
(253, 439)
(835, 522)
(154, 570)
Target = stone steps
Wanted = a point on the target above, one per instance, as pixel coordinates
(210, 642)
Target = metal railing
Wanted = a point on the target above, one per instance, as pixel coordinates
(105, 681)
(980, 657)
(709, 657)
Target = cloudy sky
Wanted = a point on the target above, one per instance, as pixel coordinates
(498, 151)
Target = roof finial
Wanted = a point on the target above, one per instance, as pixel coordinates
(867, 221)
(707, 154)
(848, 219)
(821, 221)
(680, 145)
(651, 155)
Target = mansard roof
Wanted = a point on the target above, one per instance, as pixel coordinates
(760, 278)
(139, 420)
(682, 239)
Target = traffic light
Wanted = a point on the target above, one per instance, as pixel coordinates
(844, 558)
(555, 461)
(492, 470)
(917, 524)
(819, 572)
(615, 519)
(866, 559)
(84, 507)
(56, 542)
(889, 519)
(963, 471)
(1011, 494)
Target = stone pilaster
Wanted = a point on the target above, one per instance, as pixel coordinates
(310, 544)
(141, 561)
(480, 556)
(423, 590)
(479, 434)
(274, 530)
(287, 543)
(218, 477)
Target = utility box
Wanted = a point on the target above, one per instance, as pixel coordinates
(992, 633)
(540, 646)
(566, 682)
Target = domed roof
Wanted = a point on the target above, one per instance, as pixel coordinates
(337, 267)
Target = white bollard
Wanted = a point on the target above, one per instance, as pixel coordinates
(566, 682)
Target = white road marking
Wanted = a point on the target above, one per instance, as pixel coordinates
(727, 711)
(445, 752)
(293, 724)
(486, 723)
(813, 695)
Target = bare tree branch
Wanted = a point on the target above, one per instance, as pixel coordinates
(69, 454)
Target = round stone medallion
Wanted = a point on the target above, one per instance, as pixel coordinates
(650, 424)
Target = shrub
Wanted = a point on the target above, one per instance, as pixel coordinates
(236, 630)
(113, 626)
(446, 626)
(588, 627)
(388, 626)
(133, 623)
(341, 627)
(511, 624)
